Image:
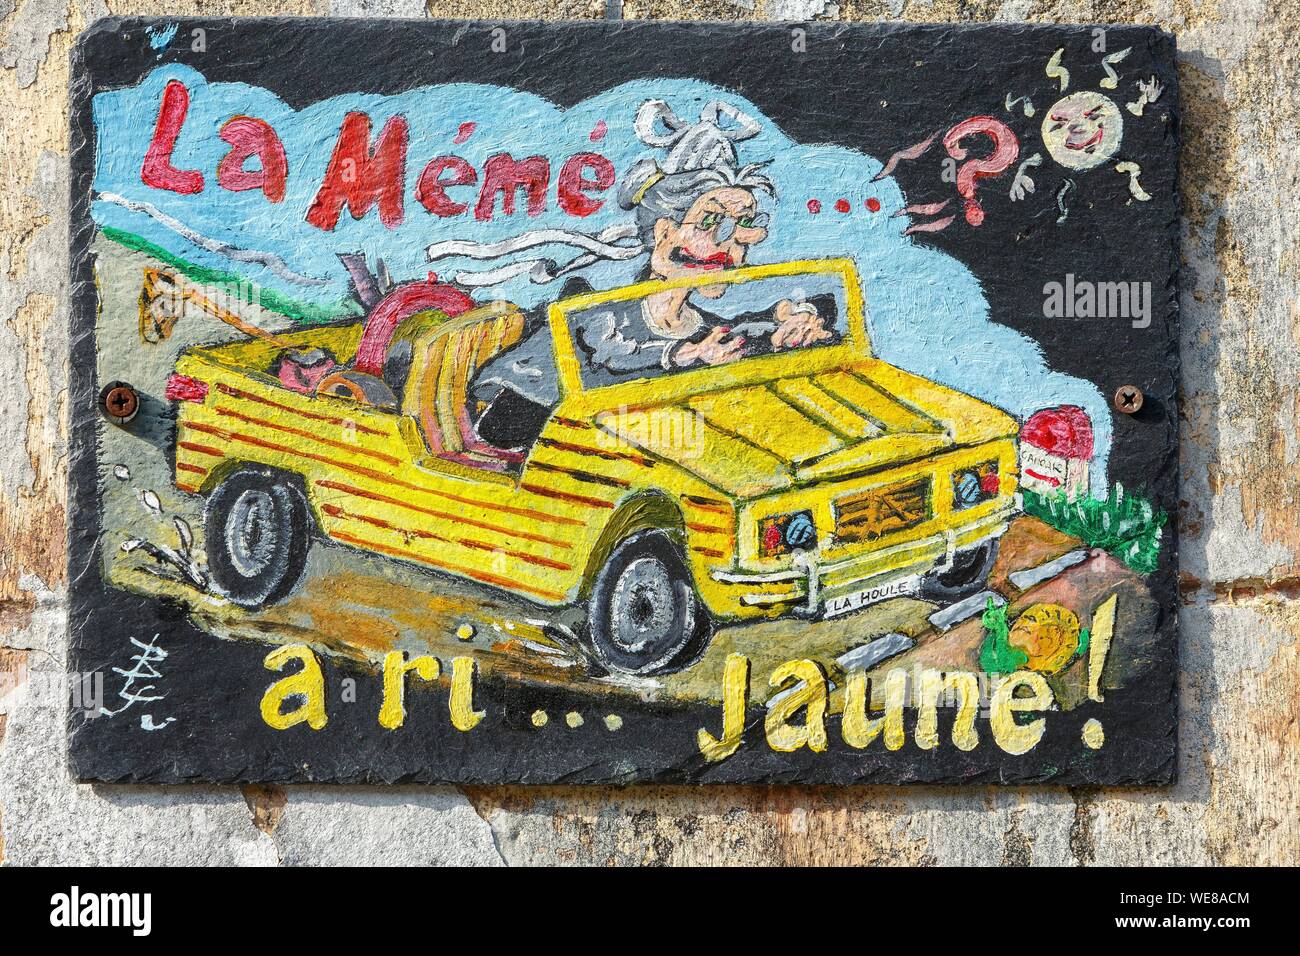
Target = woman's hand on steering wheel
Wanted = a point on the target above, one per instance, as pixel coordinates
(714, 349)
(798, 324)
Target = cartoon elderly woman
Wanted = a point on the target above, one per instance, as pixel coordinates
(696, 212)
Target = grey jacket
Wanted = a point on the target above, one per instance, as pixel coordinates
(613, 342)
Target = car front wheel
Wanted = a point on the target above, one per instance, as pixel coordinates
(644, 616)
(967, 575)
(257, 530)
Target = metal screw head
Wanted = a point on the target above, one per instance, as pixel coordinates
(1128, 399)
(119, 402)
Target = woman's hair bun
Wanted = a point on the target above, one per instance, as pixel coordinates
(639, 178)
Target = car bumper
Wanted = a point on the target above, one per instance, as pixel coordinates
(818, 586)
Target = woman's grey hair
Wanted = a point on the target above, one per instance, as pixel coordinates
(655, 195)
(701, 157)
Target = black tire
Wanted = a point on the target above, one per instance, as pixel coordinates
(644, 616)
(968, 575)
(257, 531)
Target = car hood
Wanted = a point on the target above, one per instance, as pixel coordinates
(755, 439)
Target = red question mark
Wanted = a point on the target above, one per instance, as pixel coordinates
(1005, 150)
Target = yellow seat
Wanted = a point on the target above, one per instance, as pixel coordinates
(437, 393)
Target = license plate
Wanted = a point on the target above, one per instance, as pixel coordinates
(903, 587)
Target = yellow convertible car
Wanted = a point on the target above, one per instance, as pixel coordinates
(807, 482)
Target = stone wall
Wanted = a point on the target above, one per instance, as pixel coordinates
(1236, 802)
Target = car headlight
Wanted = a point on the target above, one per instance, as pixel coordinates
(781, 534)
(970, 486)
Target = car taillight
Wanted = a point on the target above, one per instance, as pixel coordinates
(782, 534)
(183, 388)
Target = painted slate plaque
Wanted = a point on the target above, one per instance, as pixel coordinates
(620, 402)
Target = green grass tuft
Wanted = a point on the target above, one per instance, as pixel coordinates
(1125, 525)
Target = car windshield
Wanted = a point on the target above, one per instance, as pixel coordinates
(661, 333)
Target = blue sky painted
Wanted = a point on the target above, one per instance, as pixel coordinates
(927, 312)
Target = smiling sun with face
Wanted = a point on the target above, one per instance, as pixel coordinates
(1083, 130)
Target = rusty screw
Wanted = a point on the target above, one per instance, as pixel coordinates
(1128, 399)
(119, 402)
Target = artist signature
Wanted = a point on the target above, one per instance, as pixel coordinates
(140, 685)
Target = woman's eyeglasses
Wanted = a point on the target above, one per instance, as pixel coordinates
(723, 226)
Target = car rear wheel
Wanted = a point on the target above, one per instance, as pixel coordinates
(257, 530)
(644, 616)
(968, 574)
